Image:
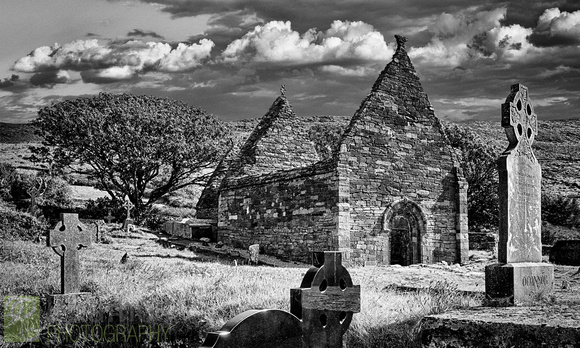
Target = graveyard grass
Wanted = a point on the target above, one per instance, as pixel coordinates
(190, 295)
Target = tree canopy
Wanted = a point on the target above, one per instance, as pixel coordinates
(137, 146)
(479, 164)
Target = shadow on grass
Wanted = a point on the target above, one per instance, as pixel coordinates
(223, 259)
(188, 258)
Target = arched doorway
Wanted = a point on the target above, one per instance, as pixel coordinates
(404, 223)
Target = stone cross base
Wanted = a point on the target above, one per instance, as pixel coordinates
(127, 223)
(76, 300)
(518, 283)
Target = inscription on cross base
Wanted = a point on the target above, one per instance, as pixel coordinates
(520, 182)
(66, 239)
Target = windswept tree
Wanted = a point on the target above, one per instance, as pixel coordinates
(479, 164)
(138, 146)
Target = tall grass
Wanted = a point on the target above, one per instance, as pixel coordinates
(188, 296)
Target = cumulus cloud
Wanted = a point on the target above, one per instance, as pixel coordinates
(455, 35)
(49, 78)
(9, 81)
(276, 43)
(557, 28)
(114, 61)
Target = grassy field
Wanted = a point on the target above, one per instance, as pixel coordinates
(188, 295)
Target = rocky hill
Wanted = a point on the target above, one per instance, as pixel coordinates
(557, 148)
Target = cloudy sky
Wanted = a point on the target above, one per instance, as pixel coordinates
(230, 57)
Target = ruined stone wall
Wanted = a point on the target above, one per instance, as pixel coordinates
(289, 213)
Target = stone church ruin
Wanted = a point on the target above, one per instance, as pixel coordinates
(387, 189)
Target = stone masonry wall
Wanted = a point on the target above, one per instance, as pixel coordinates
(393, 150)
(290, 214)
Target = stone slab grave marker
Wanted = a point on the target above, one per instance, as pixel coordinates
(520, 276)
(320, 313)
(68, 236)
(254, 251)
(128, 206)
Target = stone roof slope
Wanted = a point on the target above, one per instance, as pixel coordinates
(279, 142)
(396, 101)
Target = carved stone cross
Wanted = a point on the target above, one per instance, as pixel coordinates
(66, 239)
(520, 182)
(325, 301)
(128, 205)
(519, 276)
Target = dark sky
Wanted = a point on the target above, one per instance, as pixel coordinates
(230, 57)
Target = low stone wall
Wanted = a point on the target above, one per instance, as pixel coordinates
(192, 228)
(178, 229)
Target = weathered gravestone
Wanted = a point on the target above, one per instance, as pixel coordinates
(254, 251)
(520, 276)
(320, 313)
(128, 221)
(68, 236)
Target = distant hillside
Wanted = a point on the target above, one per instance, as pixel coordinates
(14, 133)
(557, 148)
(557, 145)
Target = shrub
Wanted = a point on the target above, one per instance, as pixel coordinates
(19, 225)
(99, 208)
(7, 176)
(57, 193)
(561, 210)
(153, 219)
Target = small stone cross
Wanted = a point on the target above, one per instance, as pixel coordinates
(66, 239)
(35, 192)
(109, 217)
(128, 205)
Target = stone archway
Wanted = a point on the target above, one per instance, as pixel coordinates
(404, 224)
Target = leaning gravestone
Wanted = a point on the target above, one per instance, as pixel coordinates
(520, 276)
(320, 313)
(68, 236)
